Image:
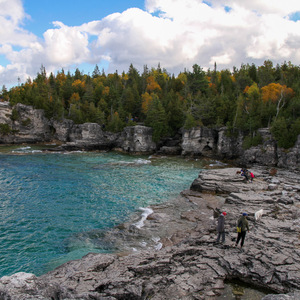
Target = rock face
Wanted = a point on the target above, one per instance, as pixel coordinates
(227, 146)
(137, 139)
(189, 264)
(89, 136)
(265, 154)
(28, 125)
(199, 141)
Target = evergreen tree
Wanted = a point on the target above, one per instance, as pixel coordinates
(96, 72)
(157, 119)
(197, 80)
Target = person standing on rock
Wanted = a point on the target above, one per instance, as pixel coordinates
(244, 227)
(221, 227)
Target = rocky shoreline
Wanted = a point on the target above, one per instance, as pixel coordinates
(176, 256)
(23, 124)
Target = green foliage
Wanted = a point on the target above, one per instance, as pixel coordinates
(252, 140)
(190, 122)
(14, 115)
(26, 122)
(157, 119)
(75, 114)
(197, 80)
(197, 98)
(115, 124)
(5, 129)
(285, 133)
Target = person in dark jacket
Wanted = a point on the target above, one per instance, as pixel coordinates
(221, 227)
(244, 225)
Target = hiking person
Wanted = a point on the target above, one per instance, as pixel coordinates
(252, 176)
(221, 227)
(246, 174)
(243, 227)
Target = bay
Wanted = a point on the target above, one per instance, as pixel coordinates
(54, 207)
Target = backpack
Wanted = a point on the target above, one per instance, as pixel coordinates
(239, 226)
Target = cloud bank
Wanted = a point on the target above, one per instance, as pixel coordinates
(174, 33)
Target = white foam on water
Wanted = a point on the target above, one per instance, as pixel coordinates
(158, 244)
(145, 213)
(217, 163)
(22, 149)
(141, 161)
(71, 152)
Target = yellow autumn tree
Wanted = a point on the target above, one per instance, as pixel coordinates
(61, 78)
(182, 77)
(146, 100)
(252, 91)
(105, 91)
(75, 98)
(152, 85)
(79, 86)
(276, 93)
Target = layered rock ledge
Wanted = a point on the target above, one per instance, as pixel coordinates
(24, 124)
(188, 264)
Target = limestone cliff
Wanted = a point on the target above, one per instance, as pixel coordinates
(24, 124)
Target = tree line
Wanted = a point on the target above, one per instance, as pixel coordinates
(245, 99)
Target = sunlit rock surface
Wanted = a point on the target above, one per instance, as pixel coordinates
(174, 254)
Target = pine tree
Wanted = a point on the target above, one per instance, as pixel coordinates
(157, 119)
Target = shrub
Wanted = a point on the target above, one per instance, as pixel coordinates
(252, 141)
(286, 134)
(14, 115)
(26, 122)
(5, 129)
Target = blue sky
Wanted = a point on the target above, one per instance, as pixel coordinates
(72, 34)
(71, 12)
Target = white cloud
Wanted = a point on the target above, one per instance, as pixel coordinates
(174, 33)
(65, 45)
(11, 17)
(278, 7)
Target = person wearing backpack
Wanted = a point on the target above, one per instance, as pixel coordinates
(242, 228)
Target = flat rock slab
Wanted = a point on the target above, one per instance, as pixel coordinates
(175, 255)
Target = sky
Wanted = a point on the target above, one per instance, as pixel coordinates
(70, 34)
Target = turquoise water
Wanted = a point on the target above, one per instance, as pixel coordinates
(54, 207)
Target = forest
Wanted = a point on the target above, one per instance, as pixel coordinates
(243, 100)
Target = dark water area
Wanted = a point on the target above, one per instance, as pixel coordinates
(238, 290)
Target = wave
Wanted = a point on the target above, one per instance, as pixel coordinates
(158, 244)
(22, 149)
(122, 163)
(139, 161)
(218, 164)
(145, 213)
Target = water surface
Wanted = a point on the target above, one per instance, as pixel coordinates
(54, 206)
